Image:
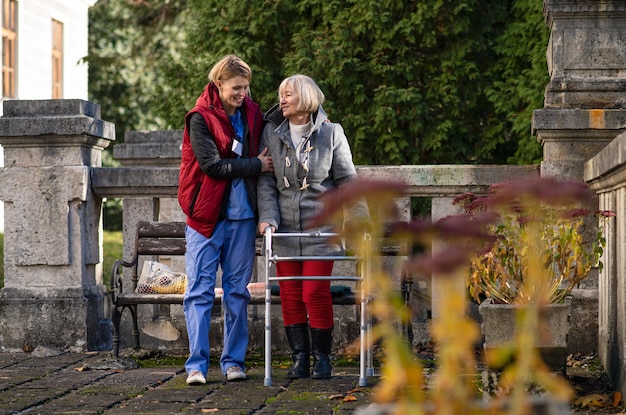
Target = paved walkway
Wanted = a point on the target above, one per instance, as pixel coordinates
(96, 383)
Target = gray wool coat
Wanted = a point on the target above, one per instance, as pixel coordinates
(284, 199)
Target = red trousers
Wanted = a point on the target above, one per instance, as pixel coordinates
(306, 300)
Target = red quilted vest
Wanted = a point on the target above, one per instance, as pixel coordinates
(199, 195)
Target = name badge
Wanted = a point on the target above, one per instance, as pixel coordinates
(237, 147)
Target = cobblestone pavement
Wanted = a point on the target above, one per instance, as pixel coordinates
(96, 383)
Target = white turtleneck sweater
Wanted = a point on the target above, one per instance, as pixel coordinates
(298, 132)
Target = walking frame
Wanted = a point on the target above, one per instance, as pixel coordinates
(364, 269)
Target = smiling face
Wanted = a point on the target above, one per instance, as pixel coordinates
(232, 92)
(289, 103)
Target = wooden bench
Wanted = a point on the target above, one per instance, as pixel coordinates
(155, 239)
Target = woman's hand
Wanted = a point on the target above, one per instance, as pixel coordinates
(263, 227)
(267, 165)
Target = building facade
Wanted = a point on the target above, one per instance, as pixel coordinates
(43, 46)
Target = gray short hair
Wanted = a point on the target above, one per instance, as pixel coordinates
(311, 96)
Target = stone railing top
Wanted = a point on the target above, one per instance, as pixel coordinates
(423, 181)
(606, 169)
(447, 180)
(159, 136)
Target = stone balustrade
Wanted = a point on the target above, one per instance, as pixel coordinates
(148, 186)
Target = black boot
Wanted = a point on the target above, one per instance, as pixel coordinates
(321, 343)
(298, 336)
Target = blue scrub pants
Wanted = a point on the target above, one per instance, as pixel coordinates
(232, 248)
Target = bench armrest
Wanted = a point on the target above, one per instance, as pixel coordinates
(116, 276)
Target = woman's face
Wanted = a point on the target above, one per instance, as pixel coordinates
(289, 101)
(232, 92)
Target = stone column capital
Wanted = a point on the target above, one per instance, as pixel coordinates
(54, 122)
(586, 55)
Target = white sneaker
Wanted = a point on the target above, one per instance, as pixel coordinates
(196, 378)
(235, 373)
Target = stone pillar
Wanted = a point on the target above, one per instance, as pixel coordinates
(161, 326)
(53, 294)
(153, 149)
(585, 99)
(583, 111)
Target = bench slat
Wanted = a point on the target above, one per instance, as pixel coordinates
(161, 246)
(161, 229)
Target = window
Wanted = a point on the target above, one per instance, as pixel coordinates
(57, 59)
(9, 47)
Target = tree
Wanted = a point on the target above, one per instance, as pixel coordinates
(412, 82)
(521, 76)
(127, 42)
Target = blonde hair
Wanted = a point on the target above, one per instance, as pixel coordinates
(229, 67)
(311, 96)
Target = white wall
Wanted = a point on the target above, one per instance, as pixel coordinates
(34, 60)
(34, 52)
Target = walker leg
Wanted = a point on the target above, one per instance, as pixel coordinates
(268, 318)
(268, 356)
(362, 372)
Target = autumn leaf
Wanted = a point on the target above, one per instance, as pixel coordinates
(349, 398)
(596, 400)
(209, 410)
(617, 397)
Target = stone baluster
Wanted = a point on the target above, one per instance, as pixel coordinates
(162, 326)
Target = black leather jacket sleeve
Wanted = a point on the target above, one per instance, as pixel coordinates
(205, 150)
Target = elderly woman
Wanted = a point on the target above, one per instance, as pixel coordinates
(311, 155)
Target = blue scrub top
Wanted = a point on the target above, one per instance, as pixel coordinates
(239, 206)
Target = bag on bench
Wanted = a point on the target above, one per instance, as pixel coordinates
(158, 278)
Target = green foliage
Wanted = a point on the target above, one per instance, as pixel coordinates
(113, 250)
(436, 81)
(520, 74)
(127, 43)
(112, 207)
(255, 31)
